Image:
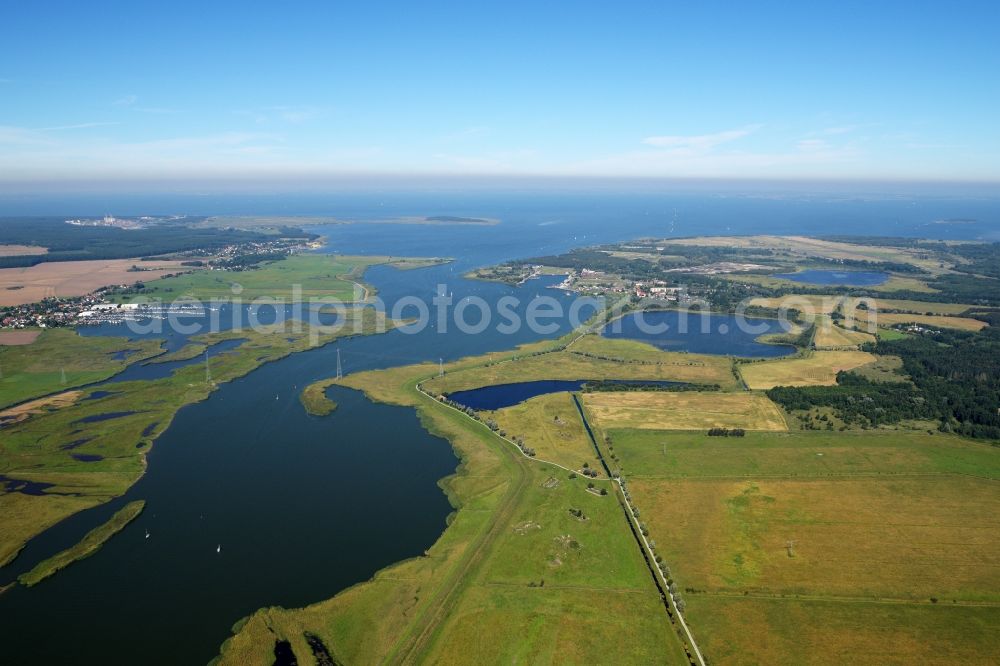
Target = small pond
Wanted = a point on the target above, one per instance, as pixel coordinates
(499, 396)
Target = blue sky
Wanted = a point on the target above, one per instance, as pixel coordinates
(872, 90)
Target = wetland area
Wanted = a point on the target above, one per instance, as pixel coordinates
(252, 502)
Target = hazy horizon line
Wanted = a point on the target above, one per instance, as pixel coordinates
(358, 181)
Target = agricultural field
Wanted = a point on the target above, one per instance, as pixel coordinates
(918, 307)
(688, 410)
(18, 337)
(9, 250)
(313, 275)
(77, 278)
(59, 359)
(808, 304)
(835, 533)
(551, 425)
(818, 368)
(831, 336)
(802, 248)
(887, 319)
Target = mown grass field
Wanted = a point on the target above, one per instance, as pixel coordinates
(36, 369)
(826, 548)
(689, 410)
(314, 275)
(550, 586)
(551, 425)
(819, 368)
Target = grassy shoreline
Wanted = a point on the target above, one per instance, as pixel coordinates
(313, 398)
(86, 547)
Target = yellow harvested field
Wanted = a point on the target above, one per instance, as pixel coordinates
(15, 338)
(22, 250)
(818, 369)
(921, 307)
(829, 335)
(806, 304)
(887, 319)
(686, 410)
(76, 278)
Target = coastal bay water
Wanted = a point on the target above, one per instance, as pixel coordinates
(303, 507)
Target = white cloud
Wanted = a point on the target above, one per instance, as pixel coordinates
(58, 128)
(127, 100)
(292, 115)
(699, 142)
(843, 129)
(812, 145)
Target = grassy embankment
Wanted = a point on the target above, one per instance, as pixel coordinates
(551, 585)
(87, 546)
(36, 369)
(89, 462)
(590, 357)
(826, 548)
(317, 275)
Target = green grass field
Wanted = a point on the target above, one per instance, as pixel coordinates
(551, 425)
(591, 357)
(36, 369)
(313, 275)
(806, 538)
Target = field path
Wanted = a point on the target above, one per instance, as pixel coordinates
(419, 636)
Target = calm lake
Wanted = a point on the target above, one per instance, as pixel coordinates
(701, 334)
